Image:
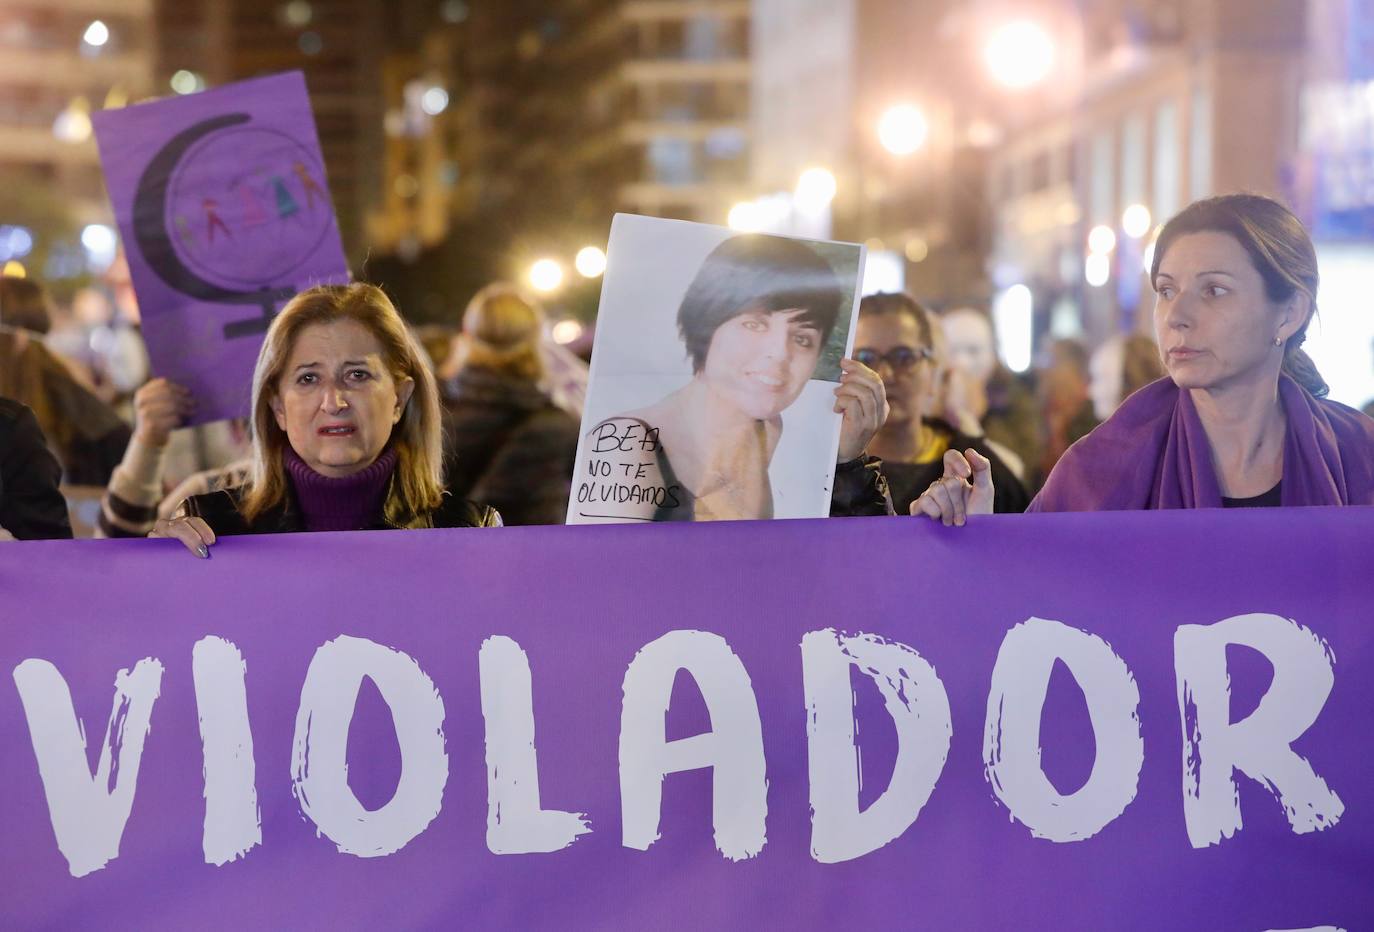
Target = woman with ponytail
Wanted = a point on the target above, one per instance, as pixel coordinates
(1242, 419)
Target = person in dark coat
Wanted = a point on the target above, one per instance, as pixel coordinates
(345, 429)
(896, 337)
(508, 444)
(31, 507)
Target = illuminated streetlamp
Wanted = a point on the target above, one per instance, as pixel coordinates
(1019, 54)
(903, 129)
(96, 34)
(815, 189)
(566, 331)
(546, 275)
(187, 82)
(1097, 269)
(590, 262)
(1135, 221)
(1101, 240)
(13, 269)
(434, 101)
(745, 217)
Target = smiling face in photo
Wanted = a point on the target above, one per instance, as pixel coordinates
(336, 400)
(760, 360)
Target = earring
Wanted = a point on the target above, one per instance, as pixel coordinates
(1278, 341)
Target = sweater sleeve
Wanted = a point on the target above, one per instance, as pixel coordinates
(129, 506)
(860, 489)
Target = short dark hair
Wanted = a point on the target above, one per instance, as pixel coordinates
(896, 302)
(1280, 250)
(755, 272)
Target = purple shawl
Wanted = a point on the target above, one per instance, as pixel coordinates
(1153, 453)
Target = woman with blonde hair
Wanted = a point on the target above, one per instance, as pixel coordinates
(345, 430)
(510, 444)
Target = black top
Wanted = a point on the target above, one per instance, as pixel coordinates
(909, 480)
(31, 507)
(1271, 499)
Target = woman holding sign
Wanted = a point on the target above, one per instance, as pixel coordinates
(754, 321)
(345, 429)
(1242, 420)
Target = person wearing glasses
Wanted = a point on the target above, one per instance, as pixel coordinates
(897, 338)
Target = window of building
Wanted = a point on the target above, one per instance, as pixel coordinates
(1200, 144)
(1168, 162)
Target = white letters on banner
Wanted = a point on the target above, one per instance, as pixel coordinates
(915, 698)
(88, 813)
(515, 823)
(1259, 746)
(233, 824)
(1011, 742)
(733, 748)
(319, 769)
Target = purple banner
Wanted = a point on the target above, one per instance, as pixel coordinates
(224, 211)
(1126, 721)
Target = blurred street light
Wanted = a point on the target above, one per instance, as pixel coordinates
(1147, 261)
(917, 249)
(13, 269)
(1013, 313)
(1019, 54)
(590, 263)
(96, 34)
(15, 242)
(1135, 221)
(546, 275)
(1101, 240)
(566, 331)
(187, 82)
(745, 217)
(903, 129)
(73, 124)
(1097, 269)
(815, 189)
(100, 244)
(434, 101)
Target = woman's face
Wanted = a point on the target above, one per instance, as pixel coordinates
(761, 360)
(1213, 321)
(336, 400)
(898, 354)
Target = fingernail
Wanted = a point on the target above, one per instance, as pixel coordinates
(203, 551)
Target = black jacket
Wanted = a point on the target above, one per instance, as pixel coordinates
(508, 444)
(220, 510)
(908, 480)
(31, 507)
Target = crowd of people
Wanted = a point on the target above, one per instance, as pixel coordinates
(355, 423)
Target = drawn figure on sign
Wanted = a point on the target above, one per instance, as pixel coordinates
(253, 213)
(286, 204)
(308, 183)
(754, 321)
(236, 175)
(213, 219)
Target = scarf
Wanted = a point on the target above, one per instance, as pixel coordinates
(1154, 453)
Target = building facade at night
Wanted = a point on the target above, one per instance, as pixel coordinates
(60, 60)
(1177, 102)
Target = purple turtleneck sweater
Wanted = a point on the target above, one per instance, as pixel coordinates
(348, 504)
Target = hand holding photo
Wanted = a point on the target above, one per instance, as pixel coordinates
(761, 326)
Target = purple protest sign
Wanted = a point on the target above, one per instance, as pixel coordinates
(1127, 721)
(224, 210)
